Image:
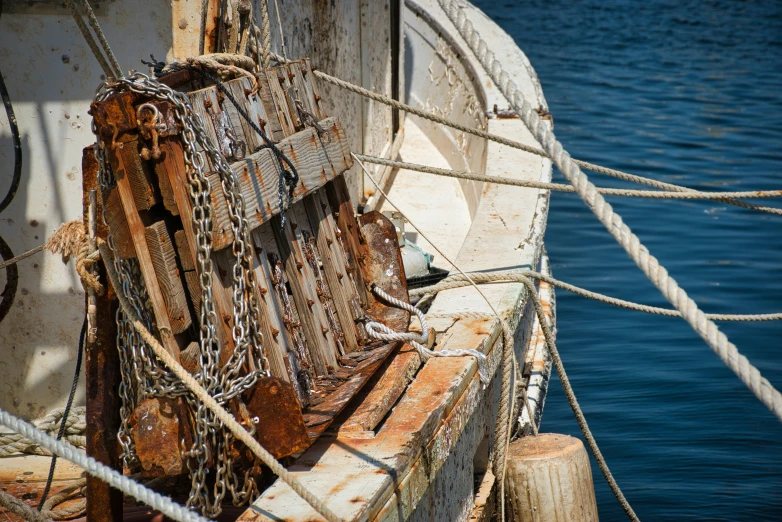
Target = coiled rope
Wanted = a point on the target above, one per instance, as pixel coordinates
(561, 187)
(96, 469)
(656, 273)
(74, 433)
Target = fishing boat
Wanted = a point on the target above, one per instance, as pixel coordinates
(374, 427)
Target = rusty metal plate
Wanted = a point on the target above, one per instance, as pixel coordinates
(274, 409)
(380, 261)
(162, 432)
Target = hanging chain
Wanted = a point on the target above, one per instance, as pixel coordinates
(142, 375)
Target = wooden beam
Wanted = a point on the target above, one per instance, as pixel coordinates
(102, 376)
(137, 232)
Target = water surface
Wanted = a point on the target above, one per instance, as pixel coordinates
(686, 92)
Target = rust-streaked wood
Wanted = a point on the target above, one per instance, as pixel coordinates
(338, 284)
(117, 223)
(321, 346)
(137, 232)
(263, 103)
(317, 160)
(303, 82)
(178, 179)
(388, 385)
(126, 157)
(102, 375)
(277, 77)
(339, 198)
(283, 335)
(163, 256)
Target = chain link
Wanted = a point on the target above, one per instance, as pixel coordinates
(143, 376)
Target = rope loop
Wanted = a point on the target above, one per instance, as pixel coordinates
(382, 332)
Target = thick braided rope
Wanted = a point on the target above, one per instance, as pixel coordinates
(96, 469)
(266, 34)
(656, 273)
(380, 331)
(571, 397)
(75, 427)
(202, 395)
(511, 276)
(520, 146)
(561, 187)
(20, 508)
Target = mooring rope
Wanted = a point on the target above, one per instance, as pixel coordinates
(571, 398)
(656, 273)
(517, 276)
(561, 187)
(96, 469)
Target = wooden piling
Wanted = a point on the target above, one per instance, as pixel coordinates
(548, 479)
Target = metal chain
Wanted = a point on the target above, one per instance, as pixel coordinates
(142, 374)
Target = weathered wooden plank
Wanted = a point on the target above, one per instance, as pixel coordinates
(118, 224)
(339, 199)
(278, 83)
(193, 285)
(263, 104)
(313, 273)
(321, 345)
(164, 261)
(319, 416)
(126, 157)
(302, 79)
(177, 176)
(288, 342)
(169, 159)
(184, 251)
(225, 261)
(317, 160)
(137, 233)
(339, 286)
(241, 89)
(387, 386)
(190, 358)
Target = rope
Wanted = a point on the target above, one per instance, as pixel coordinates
(111, 71)
(69, 240)
(506, 276)
(66, 412)
(571, 398)
(68, 493)
(380, 331)
(706, 328)
(504, 424)
(75, 428)
(716, 196)
(20, 508)
(526, 148)
(266, 34)
(98, 470)
(201, 394)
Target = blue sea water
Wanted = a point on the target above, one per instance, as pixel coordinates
(688, 92)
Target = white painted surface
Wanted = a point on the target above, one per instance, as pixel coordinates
(434, 203)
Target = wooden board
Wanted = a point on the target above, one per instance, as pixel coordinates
(164, 262)
(137, 230)
(316, 159)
